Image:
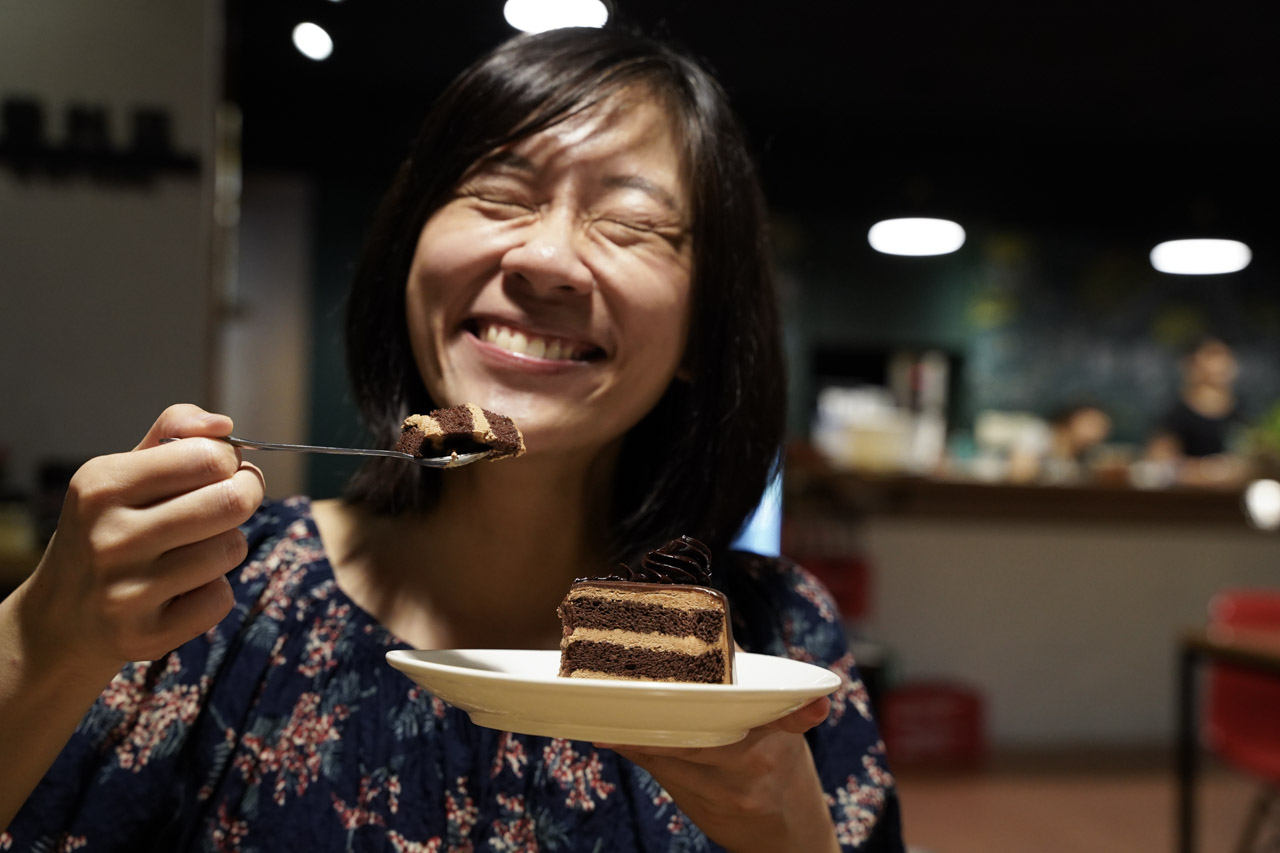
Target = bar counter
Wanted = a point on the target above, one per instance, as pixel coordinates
(811, 489)
(1061, 605)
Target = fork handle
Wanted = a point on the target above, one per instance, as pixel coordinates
(250, 444)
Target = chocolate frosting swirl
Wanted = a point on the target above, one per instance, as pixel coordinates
(680, 561)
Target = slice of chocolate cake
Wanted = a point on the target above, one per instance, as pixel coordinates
(460, 429)
(664, 623)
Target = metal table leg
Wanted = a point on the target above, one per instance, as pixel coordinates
(1187, 749)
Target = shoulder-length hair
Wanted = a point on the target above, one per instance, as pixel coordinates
(698, 463)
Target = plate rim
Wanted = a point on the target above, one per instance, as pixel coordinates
(825, 680)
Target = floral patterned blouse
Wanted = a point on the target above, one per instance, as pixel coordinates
(284, 729)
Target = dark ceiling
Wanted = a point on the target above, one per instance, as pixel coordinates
(1088, 116)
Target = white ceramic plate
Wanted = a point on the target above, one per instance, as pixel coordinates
(519, 691)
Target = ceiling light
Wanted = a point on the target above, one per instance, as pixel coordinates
(312, 41)
(916, 236)
(536, 16)
(1201, 257)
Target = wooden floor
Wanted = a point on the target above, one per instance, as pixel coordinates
(1073, 805)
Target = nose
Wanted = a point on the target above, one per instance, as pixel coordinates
(548, 257)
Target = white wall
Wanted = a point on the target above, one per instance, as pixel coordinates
(265, 345)
(104, 314)
(1069, 630)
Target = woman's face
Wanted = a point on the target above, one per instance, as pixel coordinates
(554, 286)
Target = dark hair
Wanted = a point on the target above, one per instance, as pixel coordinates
(699, 461)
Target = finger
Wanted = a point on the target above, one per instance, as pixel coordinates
(140, 479)
(192, 613)
(628, 751)
(184, 421)
(802, 719)
(797, 722)
(192, 566)
(656, 760)
(690, 754)
(196, 515)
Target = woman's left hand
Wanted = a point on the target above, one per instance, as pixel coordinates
(761, 793)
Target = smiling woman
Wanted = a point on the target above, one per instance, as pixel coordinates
(526, 108)
(576, 241)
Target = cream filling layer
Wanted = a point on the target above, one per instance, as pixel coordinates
(655, 642)
(481, 430)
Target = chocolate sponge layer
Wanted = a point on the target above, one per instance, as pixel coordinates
(634, 662)
(585, 612)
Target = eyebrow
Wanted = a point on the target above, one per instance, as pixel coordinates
(511, 160)
(507, 158)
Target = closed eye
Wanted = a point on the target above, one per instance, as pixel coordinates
(626, 232)
(500, 206)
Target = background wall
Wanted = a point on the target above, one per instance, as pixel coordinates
(1069, 631)
(1034, 319)
(104, 309)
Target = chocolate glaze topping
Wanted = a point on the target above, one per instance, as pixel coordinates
(680, 561)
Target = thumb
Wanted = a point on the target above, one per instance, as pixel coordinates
(185, 420)
(802, 719)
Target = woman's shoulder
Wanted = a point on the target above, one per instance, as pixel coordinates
(781, 608)
(781, 576)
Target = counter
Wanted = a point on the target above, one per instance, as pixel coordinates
(1061, 605)
(810, 490)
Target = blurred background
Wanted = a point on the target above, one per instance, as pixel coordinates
(183, 194)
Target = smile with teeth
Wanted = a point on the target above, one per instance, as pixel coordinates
(535, 346)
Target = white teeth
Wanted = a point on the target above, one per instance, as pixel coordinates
(518, 342)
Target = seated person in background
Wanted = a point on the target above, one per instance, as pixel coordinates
(1076, 429)
(1055, 450)
(1193, 437)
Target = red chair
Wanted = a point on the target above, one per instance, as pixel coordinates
(1242, 708)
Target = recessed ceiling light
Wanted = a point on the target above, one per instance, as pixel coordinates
(1201, 257)
(536, 16)
(916, 236)
(312, 41)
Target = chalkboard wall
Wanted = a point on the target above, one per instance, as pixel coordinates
(1031, 321)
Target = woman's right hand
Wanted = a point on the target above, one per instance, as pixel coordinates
(134, 570)
(136, 567)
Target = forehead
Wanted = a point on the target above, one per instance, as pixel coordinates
(630, 132)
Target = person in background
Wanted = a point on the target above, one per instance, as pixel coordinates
(1193, 440)
(1074, 431)
(575, 240)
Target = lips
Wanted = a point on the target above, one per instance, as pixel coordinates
(526, 343)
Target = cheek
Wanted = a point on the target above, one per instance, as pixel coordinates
(664, 323)
(438, 277)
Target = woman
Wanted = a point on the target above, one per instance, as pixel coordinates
(574, 241)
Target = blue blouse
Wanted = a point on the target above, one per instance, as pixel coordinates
(284, 729)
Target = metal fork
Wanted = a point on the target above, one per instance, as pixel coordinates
(453, 460)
